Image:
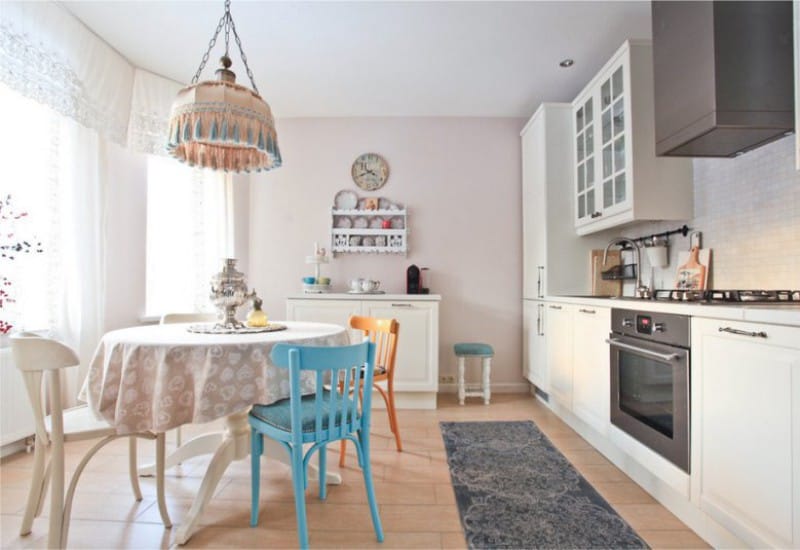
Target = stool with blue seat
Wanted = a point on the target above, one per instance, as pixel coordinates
(485, 352)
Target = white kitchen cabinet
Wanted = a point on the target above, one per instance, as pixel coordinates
(746, 429)
(533, 345)
(336, 312)
(555, 259)
(417, 362)
(617, 177)
(559, 352)
(590, 366)
(417, 345)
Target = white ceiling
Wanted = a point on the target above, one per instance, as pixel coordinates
(381, 58)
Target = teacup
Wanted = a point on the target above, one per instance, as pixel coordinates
(368, 285)
(309, 280)
(355, 285)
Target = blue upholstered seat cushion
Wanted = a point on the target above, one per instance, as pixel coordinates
(473, 348)
(279, 415)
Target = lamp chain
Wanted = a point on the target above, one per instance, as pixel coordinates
(225, 21)
(211, 45)
(244, 57)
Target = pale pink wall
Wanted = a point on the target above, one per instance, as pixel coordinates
(460, 179)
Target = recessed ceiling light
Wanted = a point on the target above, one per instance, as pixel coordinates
(567, 63)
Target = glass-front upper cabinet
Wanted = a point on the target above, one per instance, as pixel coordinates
(600, 153)
(612, 115)
(584, 158)
(618, 178)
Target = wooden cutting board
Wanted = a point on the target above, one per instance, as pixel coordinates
(601, 287)
(693, 268)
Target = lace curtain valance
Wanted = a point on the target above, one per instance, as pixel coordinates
(48, 55)
(149, 121)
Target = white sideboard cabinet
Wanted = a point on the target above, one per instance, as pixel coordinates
(417, 363)
(617, 177)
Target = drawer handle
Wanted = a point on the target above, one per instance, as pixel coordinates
(729, 330)
(554, 307)
(591, 311)
(402, 305)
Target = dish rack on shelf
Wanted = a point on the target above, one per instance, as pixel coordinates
(365, 231)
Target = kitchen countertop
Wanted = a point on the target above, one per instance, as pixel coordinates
(366, 296)
(755, 313)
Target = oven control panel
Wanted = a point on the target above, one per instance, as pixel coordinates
(661, 327)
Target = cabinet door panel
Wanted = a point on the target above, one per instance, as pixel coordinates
(748, 402)
(533, 207)
(534, 359)
(591, 374)
(336, 312)
(417, 362)
(558, 345)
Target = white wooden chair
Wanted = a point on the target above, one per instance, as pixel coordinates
(40, 361)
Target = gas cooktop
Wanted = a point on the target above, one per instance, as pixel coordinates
(776, 297)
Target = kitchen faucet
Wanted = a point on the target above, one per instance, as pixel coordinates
(641, 290)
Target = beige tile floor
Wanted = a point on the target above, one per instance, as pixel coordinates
(413, 489)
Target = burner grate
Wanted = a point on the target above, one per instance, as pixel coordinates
(728, 296)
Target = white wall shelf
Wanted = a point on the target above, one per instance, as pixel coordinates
(378, 240)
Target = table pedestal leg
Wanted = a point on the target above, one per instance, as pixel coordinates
(204, 444)
(234, 445)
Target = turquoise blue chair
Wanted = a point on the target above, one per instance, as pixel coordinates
(319, 418)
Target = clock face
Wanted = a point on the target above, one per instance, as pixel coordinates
(370, 171)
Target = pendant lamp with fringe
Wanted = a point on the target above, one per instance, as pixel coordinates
(222, 125)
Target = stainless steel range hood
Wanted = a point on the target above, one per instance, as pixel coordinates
(723, 75)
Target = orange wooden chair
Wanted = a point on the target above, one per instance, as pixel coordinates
(383, 333)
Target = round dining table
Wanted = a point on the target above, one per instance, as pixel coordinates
(158, 377)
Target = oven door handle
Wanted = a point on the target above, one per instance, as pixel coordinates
(662, 356)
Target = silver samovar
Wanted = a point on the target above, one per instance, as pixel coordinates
(228, 292)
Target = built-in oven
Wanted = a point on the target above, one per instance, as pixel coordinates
(650, 355)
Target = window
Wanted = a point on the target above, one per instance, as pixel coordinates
(186, 235)
(29, 212)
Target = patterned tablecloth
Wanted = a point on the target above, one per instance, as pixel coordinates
(161, 376)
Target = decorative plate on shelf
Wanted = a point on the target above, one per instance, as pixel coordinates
(345, 200)
(360, 222)
(375, 223)
(367, 241)
(398, 223)
(384, 204)
(344, 222)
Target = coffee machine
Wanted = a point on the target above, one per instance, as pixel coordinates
(413, 280)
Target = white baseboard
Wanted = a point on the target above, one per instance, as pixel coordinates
(13, 447)
(501, 387)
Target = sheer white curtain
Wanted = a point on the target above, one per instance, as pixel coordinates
(65, 95)
(53, 172)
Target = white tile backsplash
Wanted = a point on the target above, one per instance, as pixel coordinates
(748, 210)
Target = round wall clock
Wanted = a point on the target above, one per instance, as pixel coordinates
(370, 171)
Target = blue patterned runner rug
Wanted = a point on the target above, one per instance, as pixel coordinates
(515, 490)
